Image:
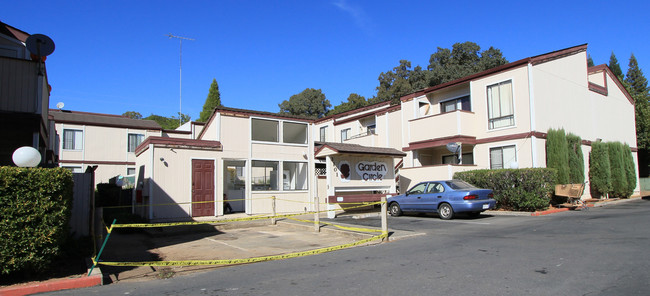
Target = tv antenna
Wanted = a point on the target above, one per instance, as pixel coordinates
(180, 74)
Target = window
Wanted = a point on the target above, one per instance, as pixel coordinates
(500, 107)
(294, 133)
(345, 134)
(323, 134)
(456, 104)
(468, 158)
(264, 175)
(502, 157)
(134, 141)
(418, 189)
(265, 130)
(130, 171)
(371, 129)
(73, 139)
(294, 176)
(435, 188)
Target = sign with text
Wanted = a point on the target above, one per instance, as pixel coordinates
(372, 171)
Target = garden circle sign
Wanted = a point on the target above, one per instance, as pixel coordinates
(372, 171)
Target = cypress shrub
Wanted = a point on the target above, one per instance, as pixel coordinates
(557, 154)
(630, 169)
(619, 179)
(515, 189)
(35, 206)
(599, 173)
(576, 159)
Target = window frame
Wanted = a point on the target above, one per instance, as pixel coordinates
(456, 101)
(323, 133)
(285, 124)
(305, 182)
(345, 131)
(491, 120)
(269, 176)
(503, 161)
(74, 139)
(128, 141)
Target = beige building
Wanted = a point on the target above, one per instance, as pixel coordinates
(497, 118)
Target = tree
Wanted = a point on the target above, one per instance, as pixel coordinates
(615, 67)
(637, 87)
(399, 82)
(590, 61)
(600, 178)
(576, 159)
(212, 101)
(354, 101)
(619, 179)
(557, 153)
(630, 172)
(310, 103)
(462, 60)
(169, 122)
(132, 114)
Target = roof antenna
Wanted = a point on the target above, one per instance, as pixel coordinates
(180, 79)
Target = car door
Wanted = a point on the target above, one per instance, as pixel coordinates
(411, 201)
(431, 198)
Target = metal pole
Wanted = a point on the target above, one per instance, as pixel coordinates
(384, 217)
(102, 249)
(273, 209)
(316, 215)
(180, 79)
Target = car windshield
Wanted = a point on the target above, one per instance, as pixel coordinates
(458, 184)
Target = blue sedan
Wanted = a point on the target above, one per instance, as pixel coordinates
(444, 197)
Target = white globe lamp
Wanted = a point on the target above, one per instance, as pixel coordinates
(26, 156)
(514, 165)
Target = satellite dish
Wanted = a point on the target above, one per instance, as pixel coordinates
(40, 45)
(453, 147)
(60, 105)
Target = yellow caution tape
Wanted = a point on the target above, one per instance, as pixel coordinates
(340, 226)
(247, 260)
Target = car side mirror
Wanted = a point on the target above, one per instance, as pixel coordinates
(406, 193)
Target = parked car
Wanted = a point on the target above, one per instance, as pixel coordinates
(444, 197)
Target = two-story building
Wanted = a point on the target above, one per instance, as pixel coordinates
(496, 119)
(24, 99)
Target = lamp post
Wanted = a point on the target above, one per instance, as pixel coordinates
(26, 156)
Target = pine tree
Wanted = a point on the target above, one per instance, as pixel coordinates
(212, 101)
(590, 61)
(637, 86)
(557, 154)
(615, 67)
(599, 174)
(576, 159)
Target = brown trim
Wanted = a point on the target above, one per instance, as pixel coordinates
(520, 63)
(176, 132)
(346, 113)
(97, 162)
(439, 114)
(440, 142)
(353, 118)
(598, 89)
(177, 143)
(512, 137)
(148, 128)
(609, 72)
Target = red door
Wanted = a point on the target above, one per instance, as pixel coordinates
(202, 187)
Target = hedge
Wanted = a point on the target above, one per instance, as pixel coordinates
(630, 169)
(576, 159)
(557, 154)
(35, 206)
(600, 178)
(617, 169)
(515, 189)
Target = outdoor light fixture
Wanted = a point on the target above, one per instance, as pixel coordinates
(26, 156)
(514, 165)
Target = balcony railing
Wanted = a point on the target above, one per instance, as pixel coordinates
(23, 87)
(365, 139)
(442, 125)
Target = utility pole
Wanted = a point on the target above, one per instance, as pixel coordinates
(180, 79)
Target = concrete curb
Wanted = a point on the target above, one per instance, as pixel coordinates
(95, 279)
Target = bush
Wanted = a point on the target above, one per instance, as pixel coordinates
(515, 189)
(619, 180)
(576, 159)
(600, 179)
(557, 154)
(630, 169)
(35, 206)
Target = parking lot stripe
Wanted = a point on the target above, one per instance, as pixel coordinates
(236, 247)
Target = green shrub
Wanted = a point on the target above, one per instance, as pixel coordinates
(600, 178)
(515, 189)
(576, 159)
(557, 154)
(630, 169)
(35, 206)
(619, 179)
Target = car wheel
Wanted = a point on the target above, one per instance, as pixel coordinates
(395, 210)
(445, 211)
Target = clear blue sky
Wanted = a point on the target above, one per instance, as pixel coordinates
(114, 56)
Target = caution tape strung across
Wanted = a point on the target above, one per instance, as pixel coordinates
(242, 261)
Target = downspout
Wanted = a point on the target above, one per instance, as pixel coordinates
(531, 98)
(151, 164)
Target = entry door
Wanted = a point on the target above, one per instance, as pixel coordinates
(202, 187)
(235, 184)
